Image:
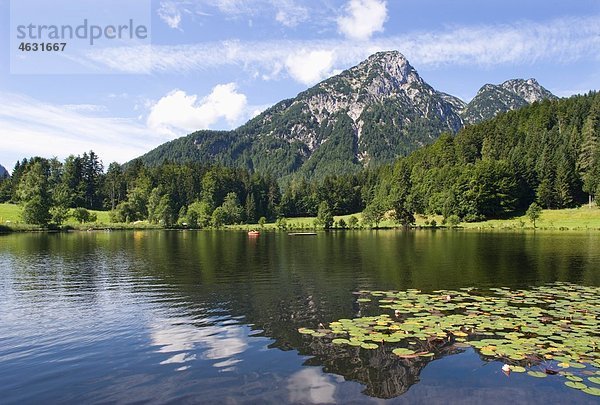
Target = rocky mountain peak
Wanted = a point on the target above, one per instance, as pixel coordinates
(385, 88)
(530, 90)
(391, 67)
(493, 99)
(390, 62)
(487, 87)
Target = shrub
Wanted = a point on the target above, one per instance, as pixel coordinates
(82, 215)
(453, 221)
(281, 223)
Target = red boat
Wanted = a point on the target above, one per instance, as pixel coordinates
(253, 233)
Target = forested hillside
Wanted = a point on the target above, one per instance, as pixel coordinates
(547, 153)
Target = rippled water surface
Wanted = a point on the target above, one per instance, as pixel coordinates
(213, 317)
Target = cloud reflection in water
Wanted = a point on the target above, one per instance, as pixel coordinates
(181, 338)
(310, 385)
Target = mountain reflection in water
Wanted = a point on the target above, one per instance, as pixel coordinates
(213, 317)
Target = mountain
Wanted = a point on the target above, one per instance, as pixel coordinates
(3, 172)
(367, 115)
(492, 100)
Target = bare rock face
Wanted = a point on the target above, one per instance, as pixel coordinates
(529, 90)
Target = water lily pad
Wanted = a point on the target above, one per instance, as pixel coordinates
(488, 352)
(403, 352)
(557, 322)
(537, 374)
(592, 391)
(595, 380)
(576, 385)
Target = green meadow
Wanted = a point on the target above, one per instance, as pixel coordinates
(582, 218)
(10, 219)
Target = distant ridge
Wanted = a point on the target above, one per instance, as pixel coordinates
(492, 100)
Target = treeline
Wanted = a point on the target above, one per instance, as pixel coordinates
(48, 188)
(171, 194)
(547, 153)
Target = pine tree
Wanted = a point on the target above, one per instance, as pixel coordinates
(545, 193)
(399, 195)
(114, 185)
(588, 150)
(231, 208)
(250, 209)
(92, 179)
(72, 179)
(563, 185)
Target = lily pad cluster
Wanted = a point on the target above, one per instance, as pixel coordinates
(552, 330)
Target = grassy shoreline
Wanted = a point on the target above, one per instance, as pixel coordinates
(10, 221)
(581, 219)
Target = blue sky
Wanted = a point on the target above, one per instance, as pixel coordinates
(216, 63)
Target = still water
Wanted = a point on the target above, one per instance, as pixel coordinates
(213, 317)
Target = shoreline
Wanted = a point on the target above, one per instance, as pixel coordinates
(582, 219)
(4, 230)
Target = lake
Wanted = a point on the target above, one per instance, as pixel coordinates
(213, 317)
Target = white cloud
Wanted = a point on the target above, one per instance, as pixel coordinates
(30, 127)
(118, 95)
(89, 108)
(362, 19)
(178, 112)
(289, 13)
(286, 12)
(235, 7)
(559, 41)
(309, 67)
(274, 72)
(170, 13)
